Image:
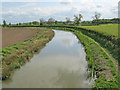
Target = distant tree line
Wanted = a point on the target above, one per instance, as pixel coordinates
(77, 21)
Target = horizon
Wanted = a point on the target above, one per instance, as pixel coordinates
(23, 12)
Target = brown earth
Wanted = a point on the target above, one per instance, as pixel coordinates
(12, 36)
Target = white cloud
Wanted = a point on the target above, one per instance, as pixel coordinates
(28, 5)
(108, 9)
(47, 11)
(67, 42)
(65, 1)
(29, 0)
(14, 13)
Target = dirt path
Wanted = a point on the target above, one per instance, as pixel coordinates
(114, 62)
(13, 36)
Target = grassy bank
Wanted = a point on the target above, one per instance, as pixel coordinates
(100, 65)
(15, 56)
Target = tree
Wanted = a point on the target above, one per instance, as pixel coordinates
(67, 20)
(42, 21)
(35, 23)
(77, 19)
(51, 21)
(56, 22)
(96, 18)
(9, 23)
(4, 23)
(19, 23)
(30, 23)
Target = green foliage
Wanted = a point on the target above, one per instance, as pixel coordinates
(4, 23)
(9, 24)
(56, 22)
(102, 83)
(35, 23)
(77, 19)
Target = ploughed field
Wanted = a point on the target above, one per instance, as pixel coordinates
(12, 36)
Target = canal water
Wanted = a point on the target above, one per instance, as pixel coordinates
(61, 64)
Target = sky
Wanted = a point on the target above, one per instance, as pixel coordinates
(16, 11)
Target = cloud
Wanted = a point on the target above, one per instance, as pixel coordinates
(48, 11)
(28, 5)
(67, 39)
(67, 42)
(65, 2)
(29, 1)
(34, 11)
(14, 13)
(99, 6)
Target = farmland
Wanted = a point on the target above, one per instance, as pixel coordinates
(12, 36)
(106, 29)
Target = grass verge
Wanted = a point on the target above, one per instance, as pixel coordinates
(99, 63)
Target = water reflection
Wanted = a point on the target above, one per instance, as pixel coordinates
(61, 64)
(67, 40)
(71, 79)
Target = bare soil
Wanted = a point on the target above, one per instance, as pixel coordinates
(13, 36)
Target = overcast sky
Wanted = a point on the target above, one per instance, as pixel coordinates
(23, 11)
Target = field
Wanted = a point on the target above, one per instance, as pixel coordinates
(107, 29)
(14, 56)
(13, 36)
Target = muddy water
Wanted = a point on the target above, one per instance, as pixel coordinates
(61, 64)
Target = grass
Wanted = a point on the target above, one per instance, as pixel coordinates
(15, 56)
(106, 29)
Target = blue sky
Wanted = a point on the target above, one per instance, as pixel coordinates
(23, 11)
